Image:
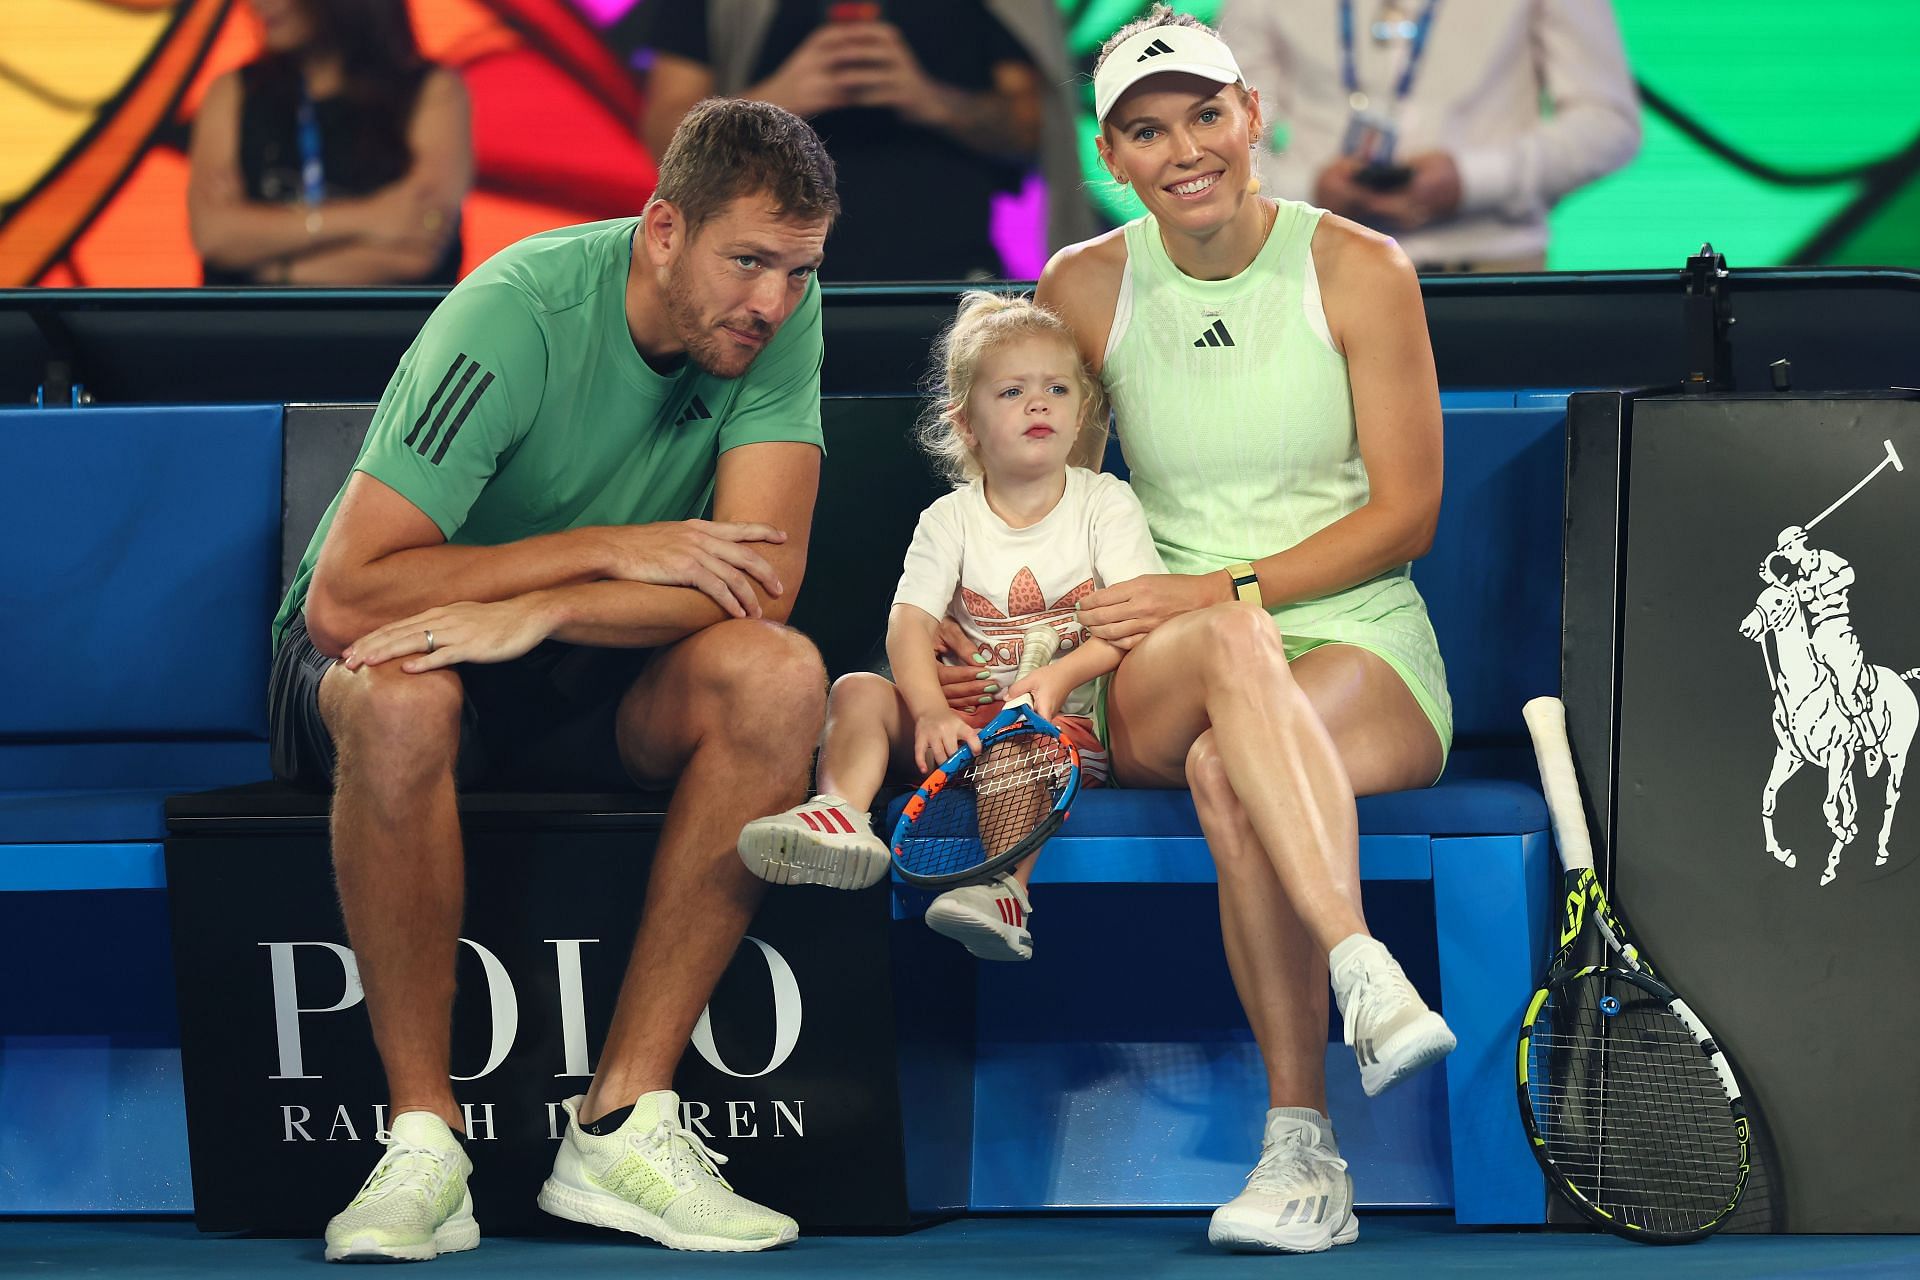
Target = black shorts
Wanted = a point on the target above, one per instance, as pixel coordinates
(543, 722)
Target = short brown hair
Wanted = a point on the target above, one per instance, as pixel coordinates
(726, 148)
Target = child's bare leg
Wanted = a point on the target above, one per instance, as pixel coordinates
(1024, 872)
(868, 735)
(832, 843)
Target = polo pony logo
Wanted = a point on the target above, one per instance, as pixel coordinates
(1831, 706)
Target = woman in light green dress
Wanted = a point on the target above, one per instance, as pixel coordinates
(1275, 397)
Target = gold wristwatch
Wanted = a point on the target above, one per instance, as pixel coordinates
(1246, 583)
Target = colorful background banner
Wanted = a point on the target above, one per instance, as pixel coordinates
(1782, 132)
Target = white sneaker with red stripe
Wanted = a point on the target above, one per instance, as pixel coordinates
(824, 841)
(990, 919)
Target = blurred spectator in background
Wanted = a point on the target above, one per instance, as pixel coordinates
(928, 108)
(340, 156)
(1453, 127)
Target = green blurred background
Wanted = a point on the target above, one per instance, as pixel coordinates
(1784, 131)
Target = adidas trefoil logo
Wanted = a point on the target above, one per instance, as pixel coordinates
(694, 412)
(1217, 336)
(1154, 50)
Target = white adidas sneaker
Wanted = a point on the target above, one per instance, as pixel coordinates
(1392, 1031)
(414, 1206)
(1298, 1199)
(989, 919)
(824, 841)
(653, 1177)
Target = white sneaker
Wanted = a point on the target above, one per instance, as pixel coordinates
(824, 841)
(1299, 1198)
(654, 1177)
(1392, 1031)
(990, 919)
(415, 1205)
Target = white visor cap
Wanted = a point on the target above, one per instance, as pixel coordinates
(1157, 49)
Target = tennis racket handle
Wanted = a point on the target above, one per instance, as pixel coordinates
(1547, 722)
(1038, 644)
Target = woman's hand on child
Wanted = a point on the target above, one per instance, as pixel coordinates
(937, 735)
(964, 675)
(1127, 611)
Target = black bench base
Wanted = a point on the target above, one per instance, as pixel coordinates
(837, 1097)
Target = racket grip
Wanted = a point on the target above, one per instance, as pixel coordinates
(1038, 645)
(1547, 722)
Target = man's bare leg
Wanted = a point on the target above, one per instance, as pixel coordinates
(733, 712)
(397, 861)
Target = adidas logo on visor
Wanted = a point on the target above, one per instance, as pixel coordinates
(1154, 50)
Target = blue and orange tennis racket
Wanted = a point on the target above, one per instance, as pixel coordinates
(981, 812)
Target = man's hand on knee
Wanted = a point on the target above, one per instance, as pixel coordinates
(464, 632)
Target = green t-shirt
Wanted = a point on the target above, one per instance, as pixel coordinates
(523, 408)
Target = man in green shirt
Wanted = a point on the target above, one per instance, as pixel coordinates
(514, 587)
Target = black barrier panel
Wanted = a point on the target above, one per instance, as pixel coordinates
(318, 445)
(873, 486)
(1769, 557)
(794, 1074)
(1597, 425)
(1840, 328)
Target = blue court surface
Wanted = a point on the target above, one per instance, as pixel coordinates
(1077, 1245)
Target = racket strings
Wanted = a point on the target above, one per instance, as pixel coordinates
(1631, 1110)
(990, 807)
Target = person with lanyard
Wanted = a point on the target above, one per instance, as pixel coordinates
(1425, 118)
(1275, 398)
(340, 156)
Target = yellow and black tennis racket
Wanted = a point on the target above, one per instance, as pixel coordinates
(1630, 1105)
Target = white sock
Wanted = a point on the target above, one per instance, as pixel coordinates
(1317, 1119)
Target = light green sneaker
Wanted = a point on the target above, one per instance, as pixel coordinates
(654, 1177)
(415, 1205)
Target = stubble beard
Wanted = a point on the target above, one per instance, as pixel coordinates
(710, 351)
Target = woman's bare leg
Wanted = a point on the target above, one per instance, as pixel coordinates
(1278, 970)
(1224, 669)
(1163, 736)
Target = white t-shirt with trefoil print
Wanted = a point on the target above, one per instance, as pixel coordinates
(996, 581)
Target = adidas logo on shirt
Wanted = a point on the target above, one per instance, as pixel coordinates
(1217, 336)
(694, 412)
(1154, 50)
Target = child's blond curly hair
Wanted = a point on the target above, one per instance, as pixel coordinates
(984, 322)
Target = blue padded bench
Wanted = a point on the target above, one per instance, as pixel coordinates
(1115, 1068)
(148, 578)
(138, 567)
(138, 555)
